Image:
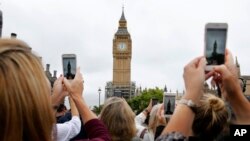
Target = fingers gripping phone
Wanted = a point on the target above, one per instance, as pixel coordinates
(215, 44)
(69, 65)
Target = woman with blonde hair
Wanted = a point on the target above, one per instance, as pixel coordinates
(211, 117)
(25, 107)
(157, 121)
(153, 120)
(202, 115)
(119, 119)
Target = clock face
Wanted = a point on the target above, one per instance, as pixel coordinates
(122, 46)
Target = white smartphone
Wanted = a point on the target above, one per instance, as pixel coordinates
(169, 104)
(69, 65)
(215, 44)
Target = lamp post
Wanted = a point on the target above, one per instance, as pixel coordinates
(99, 91)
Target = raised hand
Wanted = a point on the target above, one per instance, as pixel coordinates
(194, 77)
(75, 87)
(226, 76)
(58, 87)
(160, 115)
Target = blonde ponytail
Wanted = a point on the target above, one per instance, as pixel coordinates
(211, 116)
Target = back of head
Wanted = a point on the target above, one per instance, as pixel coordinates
(61, 108)
(25, 108)
(211, 117)
(119, 119)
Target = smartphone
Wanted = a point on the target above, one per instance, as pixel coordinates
(169, 104)
(215, 44)
(154, 101)
(69, 65)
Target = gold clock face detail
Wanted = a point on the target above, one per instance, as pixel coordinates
(122, 46)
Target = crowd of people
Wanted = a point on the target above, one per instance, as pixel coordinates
(30, 109)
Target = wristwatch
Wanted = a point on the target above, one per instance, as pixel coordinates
(189, 103)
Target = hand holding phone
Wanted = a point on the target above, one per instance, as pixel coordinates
(215, 44)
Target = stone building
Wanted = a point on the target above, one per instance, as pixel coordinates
(121, 86)
(51, 78)
(244, 79)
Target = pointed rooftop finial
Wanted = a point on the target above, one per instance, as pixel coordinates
(236, 62)
(123, 7)
(165, 89)
(122, 17)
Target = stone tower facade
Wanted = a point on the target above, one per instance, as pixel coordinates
(122, 52)
(121, 84)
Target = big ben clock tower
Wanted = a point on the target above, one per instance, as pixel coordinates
(121, 85)
(122, 49)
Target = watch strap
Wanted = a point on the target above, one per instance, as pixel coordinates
(189, 103)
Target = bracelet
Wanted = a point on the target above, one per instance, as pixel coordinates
(189, 103)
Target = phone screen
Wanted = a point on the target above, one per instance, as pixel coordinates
(169, 104)
(215, 46)
(154, 101)
(69, 65)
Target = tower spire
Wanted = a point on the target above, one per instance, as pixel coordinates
(165, 88)
(236, 62)
(237, 66)
(123, 17)
(123, 7)
(122, 29)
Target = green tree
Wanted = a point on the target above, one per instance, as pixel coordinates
(139, 103)
(97, 110)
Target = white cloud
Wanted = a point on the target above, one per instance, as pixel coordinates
(166, 35)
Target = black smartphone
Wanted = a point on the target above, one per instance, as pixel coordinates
(215, 44)
(69, 65)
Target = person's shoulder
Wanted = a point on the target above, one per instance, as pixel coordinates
(65, 118)
(136, 139)
(172, 136)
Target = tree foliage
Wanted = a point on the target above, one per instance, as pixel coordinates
(97, 110)
(139, 103)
